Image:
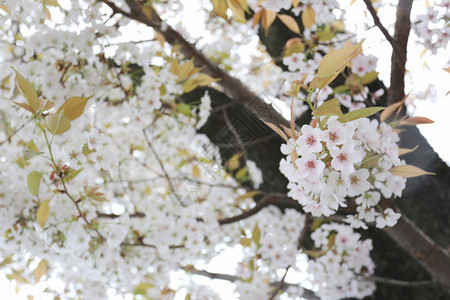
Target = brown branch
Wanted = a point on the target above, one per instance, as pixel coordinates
(307, 294)
(114, 216)
(236, 88)
(378, 23)
(280, 284)
(424, 250)
(265, 201)
(166, 175)
(398, 282)
(398, 59)
(302, 236)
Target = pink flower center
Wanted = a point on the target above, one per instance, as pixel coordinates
(310, 164)
(342, 157)
(333, 136)
(310, 140)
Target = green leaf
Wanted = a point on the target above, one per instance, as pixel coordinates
(34, 181)
(369, 77)
(241, 175)
(333, 64)
(256, 234)
(341, 89)
(184, 109)
(73, 107)
(329, 108)
(57, 123)
(43, 213)
(27, 90)
(360, 113)
(248, 195)
(71, 174)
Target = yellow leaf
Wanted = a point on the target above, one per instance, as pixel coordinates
(295, 3)
(52, 3)
(185, 69)
(203, 79)
(57, 123)
(189, 85)
(43, 213)
(334, 63)
(73, 107)
(290, 23)
(233, 163)
(196, 171)
(403, 151)
(408, 171)
(248, 195)
(308, 16)
(245, 242)
(353, 1)
(40, 270)
(27, 90)
(329, 108)
(220, 8)
(5, 8)
(237, 10)
(416, 121)
(369, 77)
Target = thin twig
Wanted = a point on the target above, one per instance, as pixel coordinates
(235, 133)
(265, 201)
(398, 282)
(8, 139)
(80, 213)
(163, 169)
(378, 23)
(280, 284)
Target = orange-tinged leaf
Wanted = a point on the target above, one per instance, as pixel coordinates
(416, 121)
(23, 105)
(290, 23)
(40, 270)
(27, 90)
(408, 171)
(308, 16)
(268, 18)
(276, 129)
(73, 107)
(257, 17)
(288, 131)
(403, 151)
(295, 3)
(389, 111)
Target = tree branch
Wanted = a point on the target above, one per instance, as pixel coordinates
(398, 59)
(378, 23)
(398, 282)
(307, 294)
(238, 91)
(425, 251)
(265, 201)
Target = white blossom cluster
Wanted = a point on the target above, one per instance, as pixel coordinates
(352, 159)
(432, 26)
(342, 264)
